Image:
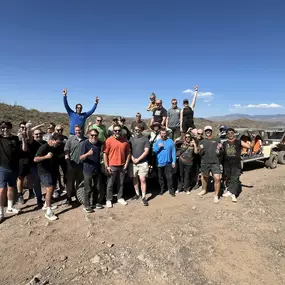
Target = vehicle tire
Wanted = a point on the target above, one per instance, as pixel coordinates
(272, 161)
(80, 193)
(281, 157)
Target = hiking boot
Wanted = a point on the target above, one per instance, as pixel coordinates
(109, 204)
(234, 198)
(55, 194)
(99, 206)
(202, 193)
(188, 192)
(51, 216)
(136, 197)
(172, 194)
(67, 202)
(21, 199)
(13, 211)
(88, 209)
(144, 201)
(122, 201)
(161, 192)
(227, 194)
(216, 199)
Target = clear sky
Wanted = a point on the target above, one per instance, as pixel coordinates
(122, 50)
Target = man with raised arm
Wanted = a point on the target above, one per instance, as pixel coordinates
(77, 117)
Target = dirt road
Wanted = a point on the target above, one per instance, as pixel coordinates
(182, 240)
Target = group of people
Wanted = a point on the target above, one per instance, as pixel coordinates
(101, 157)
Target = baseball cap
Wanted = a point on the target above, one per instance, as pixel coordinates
(185, 101)
(208, 128)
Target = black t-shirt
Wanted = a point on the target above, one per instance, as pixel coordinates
(210, 152)
(33, 148)
(47, 166)
(91, 164)
(232, 152)
(158, 115)
(10, 148)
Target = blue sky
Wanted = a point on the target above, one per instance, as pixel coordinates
(123, 50)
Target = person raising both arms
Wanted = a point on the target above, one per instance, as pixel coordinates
(77, 117)
(187, 114)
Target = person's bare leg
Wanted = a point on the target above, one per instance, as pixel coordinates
(49, 192)
(136, 185)
(143, 185)
(20, 182)
(217, 184)
(3, 192)
(204, 182)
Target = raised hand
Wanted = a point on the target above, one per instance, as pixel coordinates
(64, 92)
(195, 88)
(97, 100)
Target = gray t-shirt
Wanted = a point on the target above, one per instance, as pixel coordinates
(138, 145)
(73, 145)
(173, 116)
(210, 152)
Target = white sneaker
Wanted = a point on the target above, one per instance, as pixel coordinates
(202, 193)
(53, 207)
(51, 216)
(13, 211)
(122, 201)
(227, 194)
(55, 194)
(188, 192)
(176, 192)
(216, 199)
(234, 198)
(109, 204)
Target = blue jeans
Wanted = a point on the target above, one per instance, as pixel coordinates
(37, 184)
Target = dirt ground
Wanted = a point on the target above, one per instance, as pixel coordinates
(182, 240)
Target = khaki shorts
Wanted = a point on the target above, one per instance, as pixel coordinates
(140, 169)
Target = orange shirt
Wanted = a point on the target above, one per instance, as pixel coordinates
(117, 151)
(256, 146)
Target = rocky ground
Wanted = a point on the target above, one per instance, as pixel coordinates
(182, 240)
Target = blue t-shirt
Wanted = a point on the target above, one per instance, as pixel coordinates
(91, 164)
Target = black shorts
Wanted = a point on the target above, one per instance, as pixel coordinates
(24, 169)
(213, 168)
(48, 180)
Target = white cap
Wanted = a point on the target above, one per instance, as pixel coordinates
(208, 128)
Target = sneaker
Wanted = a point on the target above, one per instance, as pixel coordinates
(88, 209)
(53, 207)
(13, 211)
(161, 192)
(136, 197)
(67, 202)
(144, 202)
(21, 199)
(188, 192)
(227, 194)
(122, 201)
(51, 216)
(202, 193)
(55, 194)
(109, 204)
(216, 199)
(234, 198)
(172, 194)
(99, 206)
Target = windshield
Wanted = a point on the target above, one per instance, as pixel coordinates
(274, 135)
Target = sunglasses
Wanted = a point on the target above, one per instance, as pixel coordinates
(137, 130)
(99, 120)
(117, 131)
(138, 116)
(187, 137)
(23, 127)
(94, 135)
(38, 134)
(200, 134)
(6, 128)
(59, 130)
(157, 104)
(174, 103)
(151, 99)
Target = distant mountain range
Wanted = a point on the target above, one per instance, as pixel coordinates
(279, 118)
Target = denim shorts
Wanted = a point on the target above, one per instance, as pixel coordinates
(7, 178)
(48, 180)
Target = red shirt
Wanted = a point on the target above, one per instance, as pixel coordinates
(117, 151)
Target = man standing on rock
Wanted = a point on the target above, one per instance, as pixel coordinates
(232, 163)
(77, 117)
(164, 149)
(90, 156)
(138, 122)
(47, 169)
(210, 149)
(116, 160)
(173, 119)
(139, 150)
(10, 148)
(74, 173)
(159, 113)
